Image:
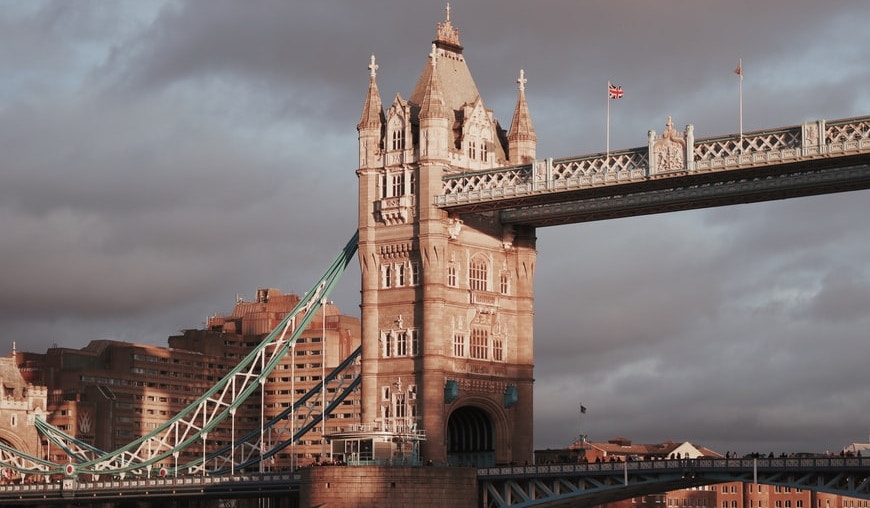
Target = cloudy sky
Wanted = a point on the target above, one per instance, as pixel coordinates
(159, 158)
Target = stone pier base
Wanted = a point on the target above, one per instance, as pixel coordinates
(388, 487)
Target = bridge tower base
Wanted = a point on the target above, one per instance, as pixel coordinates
(388, 486)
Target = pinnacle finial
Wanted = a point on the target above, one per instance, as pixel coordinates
(434, 55)
(373, 67)
(522, 80)
(448, 11)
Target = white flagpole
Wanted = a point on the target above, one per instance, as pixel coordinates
(608, 119)
(740, 81)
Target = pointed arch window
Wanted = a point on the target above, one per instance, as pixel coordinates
(451, 275)
(478, 274)
(398, 139)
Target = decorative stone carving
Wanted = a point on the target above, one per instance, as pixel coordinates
(508, 237)
(454, 225)
(668, 151)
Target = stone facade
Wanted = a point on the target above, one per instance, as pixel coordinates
(388, 487)
(20, 403)
(447, 301)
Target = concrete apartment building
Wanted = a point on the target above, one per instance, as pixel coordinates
(110, 393)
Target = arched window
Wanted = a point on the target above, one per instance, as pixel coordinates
(477, 274)
(451, 275)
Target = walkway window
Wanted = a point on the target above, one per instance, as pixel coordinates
(504, 283)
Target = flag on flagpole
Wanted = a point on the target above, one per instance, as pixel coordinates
(613, 91)
(582, 409)
(739, 72)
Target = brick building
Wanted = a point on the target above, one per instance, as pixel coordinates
(110, 393)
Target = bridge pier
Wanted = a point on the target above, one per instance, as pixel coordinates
(389, 487)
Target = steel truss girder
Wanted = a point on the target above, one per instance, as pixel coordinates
(592, 484)
(690, 193)
(252, 449)
(193, 424)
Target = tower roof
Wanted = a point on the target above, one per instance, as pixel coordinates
(373, 111)
(521, 125)
(457, 85)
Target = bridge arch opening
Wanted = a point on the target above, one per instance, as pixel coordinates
(470, 438)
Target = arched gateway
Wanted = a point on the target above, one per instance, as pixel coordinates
(447, 305)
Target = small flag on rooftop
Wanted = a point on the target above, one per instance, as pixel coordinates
(582, 409)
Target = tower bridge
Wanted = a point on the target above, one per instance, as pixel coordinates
(449, 203)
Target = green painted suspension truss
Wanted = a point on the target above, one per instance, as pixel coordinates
(161, 448)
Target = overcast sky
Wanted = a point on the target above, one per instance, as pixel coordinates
(159, 158)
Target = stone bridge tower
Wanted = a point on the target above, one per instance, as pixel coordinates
(447, 301)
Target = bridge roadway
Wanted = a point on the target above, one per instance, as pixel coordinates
(596, 483)
(674, 172)
(515, 486)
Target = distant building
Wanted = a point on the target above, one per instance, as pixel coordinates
(723, 495)
(20, 402)
(110, 393)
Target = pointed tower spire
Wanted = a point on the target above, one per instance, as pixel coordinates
(371, 123)
(434, 120)
(522, 139)
(373, 112)
(432, 105)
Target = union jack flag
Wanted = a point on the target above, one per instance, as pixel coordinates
(613, 91)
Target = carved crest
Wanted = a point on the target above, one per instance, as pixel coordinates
(669, 151)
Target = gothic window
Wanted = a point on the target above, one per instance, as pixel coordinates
(412, 180)
(389, 338)
(451, 275)
(398, 184)
(504, 283)
(388, 276)
(400, 275)
(484, 152)
(398, 139)
(415, 342)
(412, 392)
(400, 405)
(472, 150)
(415, 273)
(458, 345)
(385, 392)
(402, 344)
(479, 344)
(383, 179)
(498, 350)
(477, 274)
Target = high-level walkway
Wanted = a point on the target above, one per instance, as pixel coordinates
(674, 172)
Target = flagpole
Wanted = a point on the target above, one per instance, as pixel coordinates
(740, 94)
(608, 121)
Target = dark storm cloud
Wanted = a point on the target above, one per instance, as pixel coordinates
(159, 158)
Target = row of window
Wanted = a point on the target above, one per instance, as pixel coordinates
(397, 343)
(480, 346)
(478, 276)
(394, 184)
(396, 275)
